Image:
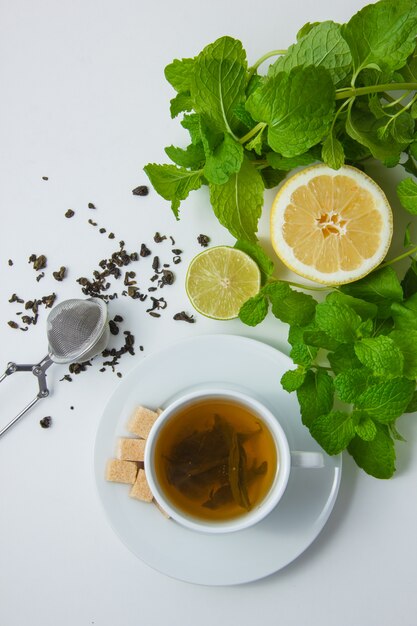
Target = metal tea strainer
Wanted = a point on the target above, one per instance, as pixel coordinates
(77, 330)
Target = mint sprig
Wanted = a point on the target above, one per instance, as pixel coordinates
(340, 93)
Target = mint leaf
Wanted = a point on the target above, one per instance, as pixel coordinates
(192, 124)
(293, 379)
(258, 254)
(376, 287)
(237, 203)
(333, 431)
(376, 457)
(224, 156)
(192, 157)
(412, 405)
(407, 193)
(218, 83)
(297, 106)
(382, 35)
(381, 355)
(366, 310)
(363, 127)
(173, 183)
(322, 46)
(405, 315)
(387, 400)
(295, 308)
(343, 358)
(272, 177)
(332, 153)
(319, 339)
(277, 290)
(350, 383)
(365, 427)
(179, 72)
(303, 355)
(409, 282)
(406, 341)
(254, 310)
(181, 102)
(338, 321)
(285, 164)
(315, 395)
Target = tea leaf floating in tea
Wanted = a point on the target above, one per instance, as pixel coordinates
(216, 462)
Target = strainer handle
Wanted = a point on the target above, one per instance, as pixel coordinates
(39, 371)
(15, 419)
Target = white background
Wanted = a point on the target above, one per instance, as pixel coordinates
(84, 101)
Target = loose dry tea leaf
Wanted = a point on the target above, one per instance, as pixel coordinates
(183, 317)
(60, 274)
(39, 262)
(10, 262)
(91, 205)
(13, 324)
(45, 178)
(40, 276)
(70, 213)
(158, 237)
(142, 190)
(203, 240)
(144, 251)
(46, 422)
(15, 298)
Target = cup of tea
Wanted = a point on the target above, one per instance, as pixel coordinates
(218, 460)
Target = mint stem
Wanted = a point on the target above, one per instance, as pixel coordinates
(397, 258)
(362, 91)
(252, 132)
(266, 56)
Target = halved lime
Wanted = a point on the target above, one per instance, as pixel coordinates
(219, 280)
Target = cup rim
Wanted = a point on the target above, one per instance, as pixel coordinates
(276, 491)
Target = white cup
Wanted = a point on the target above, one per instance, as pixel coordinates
(286, 460)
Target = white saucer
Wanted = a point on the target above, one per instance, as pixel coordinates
(231, 362)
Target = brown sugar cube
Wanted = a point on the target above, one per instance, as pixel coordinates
(141, 421)
(141, 489)
(119, 471)
(131, 449)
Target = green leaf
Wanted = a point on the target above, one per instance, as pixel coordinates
(381, 355)
(343, 358)
(322, 46)
(412, 405)
(179, 72)
(293, 379)
(181, 102)
(319, 339)
(222, 159)
(192, 124)
(339, 321)
(173, 183)
(332, 153)
(315, 395)
(333, 431)
(272, 177)
(409, 71)
(406, 341)
(295, 308)
(405, 315)
(382, 35)
(304, 30)
(237, 203)
(277, 290)
(286, 164)
(388, 400)
(254, 310)
(407, 238)
(192, 157)
(377, 286)
(259, 255)
(364, 128)
(365, 427)
(409, 282)
(303, 355)
(297, 106)
(402, 128)
(366, 310)
(376, 457)
(350, 383)
(407, 193)
(218, 83)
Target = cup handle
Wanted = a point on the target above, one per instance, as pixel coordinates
(306, 459)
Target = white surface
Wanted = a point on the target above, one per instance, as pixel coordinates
(84, 101)
(241, 556)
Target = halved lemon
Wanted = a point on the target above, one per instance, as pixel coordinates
(331, 226)
(219, 280)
